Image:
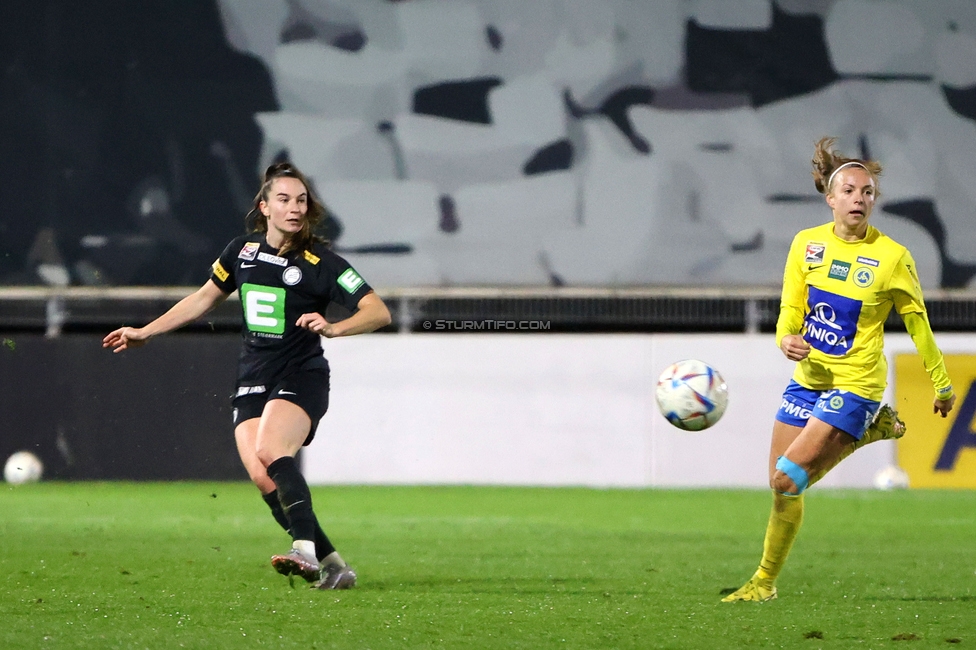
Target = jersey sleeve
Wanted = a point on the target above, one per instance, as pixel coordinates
(906, 292)
(917, 324)
(791, 304)
(222, 270)
(348, 287)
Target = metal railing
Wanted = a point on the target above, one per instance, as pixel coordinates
(54, 310)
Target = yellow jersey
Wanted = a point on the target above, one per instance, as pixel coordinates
(837, 294)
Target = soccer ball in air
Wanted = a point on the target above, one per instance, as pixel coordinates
(22, 467)
(891, 478)
(692, 395)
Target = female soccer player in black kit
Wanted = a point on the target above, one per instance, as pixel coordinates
(286, 276)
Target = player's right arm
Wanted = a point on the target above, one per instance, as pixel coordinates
(185, 311)
(791, 307)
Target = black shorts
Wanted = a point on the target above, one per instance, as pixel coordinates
(309, 389)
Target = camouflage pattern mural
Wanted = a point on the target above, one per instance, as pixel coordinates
(490, 142)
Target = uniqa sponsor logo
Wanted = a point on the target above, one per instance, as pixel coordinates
(823, 327)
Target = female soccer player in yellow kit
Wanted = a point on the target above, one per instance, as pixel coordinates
(840, 283)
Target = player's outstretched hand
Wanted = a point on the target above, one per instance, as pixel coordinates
(315, 322)
(943, 406)
(794, 347)
(125, 338)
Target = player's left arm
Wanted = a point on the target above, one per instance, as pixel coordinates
(907, 295)
(917, 324)
(371, 314)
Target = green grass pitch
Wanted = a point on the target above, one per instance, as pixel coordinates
(170, 565)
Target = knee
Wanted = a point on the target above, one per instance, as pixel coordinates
(267, 449)
(789, 477)
(783, 484)
(266, 454)
(257, 471)
(263, 482)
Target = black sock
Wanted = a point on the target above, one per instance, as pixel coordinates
(323, 547)
(272, 500)
(295, 498)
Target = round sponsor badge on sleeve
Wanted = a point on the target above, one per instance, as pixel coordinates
(291, 276)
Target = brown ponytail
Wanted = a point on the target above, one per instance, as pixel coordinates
(826, 161)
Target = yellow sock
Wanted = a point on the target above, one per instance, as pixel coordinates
(784, 523)
(816, 475)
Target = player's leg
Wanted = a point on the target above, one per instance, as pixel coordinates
(784, 522)
(247, 417)
(816, 447)
(886, 425)
(246, 435)
(815, 450)
(838, 423)
(282, 429)
(806, 442)
(786, 514)
(309, 390)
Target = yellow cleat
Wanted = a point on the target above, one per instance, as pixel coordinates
(756, 589)
(885, 426)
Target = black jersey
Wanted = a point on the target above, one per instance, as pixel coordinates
(276, 290)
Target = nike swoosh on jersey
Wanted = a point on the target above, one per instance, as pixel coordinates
(247, 266)
(286, 392)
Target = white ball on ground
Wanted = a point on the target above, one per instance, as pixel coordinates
(22, 467)
(891, 478)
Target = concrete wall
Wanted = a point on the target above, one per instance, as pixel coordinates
(555, 410)
(161, 412)
(517, 409)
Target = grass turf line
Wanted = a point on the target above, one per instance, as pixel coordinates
(168, 565)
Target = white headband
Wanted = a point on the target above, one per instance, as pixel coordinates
(847, 164)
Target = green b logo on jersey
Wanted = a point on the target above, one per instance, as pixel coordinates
(264, 308)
